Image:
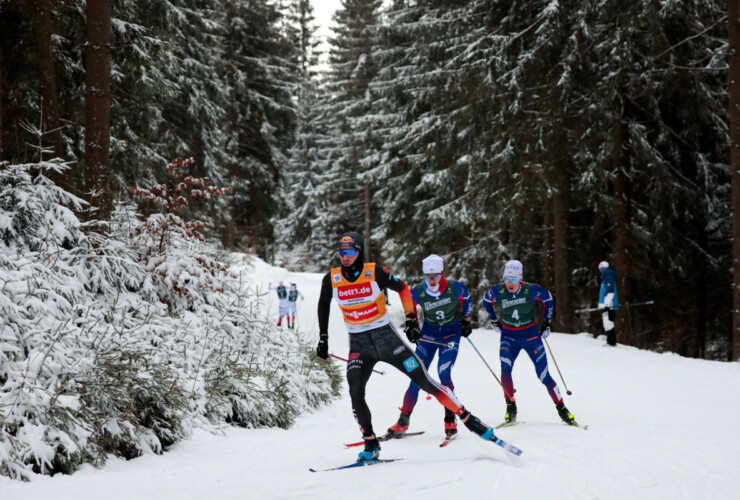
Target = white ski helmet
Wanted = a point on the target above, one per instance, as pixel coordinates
(433, 264)
(513, 269)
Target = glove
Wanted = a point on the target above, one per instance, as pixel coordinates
(496, 324)
(601, 306)
(545, 329)
(322, 349)
(412, 330)
(466, 327)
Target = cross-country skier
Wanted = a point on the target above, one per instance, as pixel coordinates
(608, 301)
(282, 294)
(446, 309)
(515, 300)
(359, 289)
(293, 295)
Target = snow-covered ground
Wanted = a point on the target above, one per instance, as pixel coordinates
(660, 427)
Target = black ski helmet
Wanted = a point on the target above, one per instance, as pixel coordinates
(353, 241)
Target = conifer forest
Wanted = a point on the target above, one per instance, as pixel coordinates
(560, 133)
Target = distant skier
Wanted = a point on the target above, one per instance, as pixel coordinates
(283, 303)
(608, 301)
(359, 289)
(516, 301)
(446, 308)
(293, 295)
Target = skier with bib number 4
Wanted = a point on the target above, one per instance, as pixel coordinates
(446, 308)
(359, 288)
(515, 299)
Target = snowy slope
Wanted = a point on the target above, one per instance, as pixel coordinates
(660, 427)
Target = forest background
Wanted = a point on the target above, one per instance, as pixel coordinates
(560, 133)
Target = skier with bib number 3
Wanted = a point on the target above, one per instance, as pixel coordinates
(517, 325)
(447, 309)
(359, 288)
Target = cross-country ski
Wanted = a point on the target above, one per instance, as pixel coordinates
(360, 463)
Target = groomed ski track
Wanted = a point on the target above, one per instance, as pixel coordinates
(660, 427)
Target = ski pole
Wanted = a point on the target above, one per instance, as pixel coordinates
(508, 396)
(631, 304)
(556, 366)
(448, 344)
(346, 361)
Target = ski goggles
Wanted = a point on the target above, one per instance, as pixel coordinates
(347, 252)
(510, 279)
(433, 277)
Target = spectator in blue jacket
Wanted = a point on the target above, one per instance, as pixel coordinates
(608, 301)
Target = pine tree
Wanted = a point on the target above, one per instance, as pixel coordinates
(353, 148)
(299, 235)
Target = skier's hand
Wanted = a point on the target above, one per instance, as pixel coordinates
(412, 330)
(545, 329)
(322, 349)
(466, 327)
(496, 324)
(601, 306)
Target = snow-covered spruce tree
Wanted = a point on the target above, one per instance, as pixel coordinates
(262, 70)
(93, 364)
(439, 176)
(352, 146)
(301, 243)
(652, 131)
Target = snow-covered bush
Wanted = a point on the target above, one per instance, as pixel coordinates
(165, 239)
(93, 363)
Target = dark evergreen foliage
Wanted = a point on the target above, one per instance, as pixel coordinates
(559, 133)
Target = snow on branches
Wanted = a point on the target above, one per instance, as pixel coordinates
(168, 241)
(92, 365)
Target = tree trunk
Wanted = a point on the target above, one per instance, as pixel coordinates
(368, 248)
(97, 108)
(47, 78)
(548, 277)
(3, 102)
(734, 94)
(561, 223)
(621, 234)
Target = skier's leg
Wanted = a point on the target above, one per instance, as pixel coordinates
(393, 350)
(536, 351)
(508, 352)
(359, 368)
(396, 352)
(447, 358)
(425, 352)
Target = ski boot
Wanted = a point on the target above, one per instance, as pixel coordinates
(510, 411)
(567, 416)
(450, 425)
(372, 449)
(474, 424)
(399, 428)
